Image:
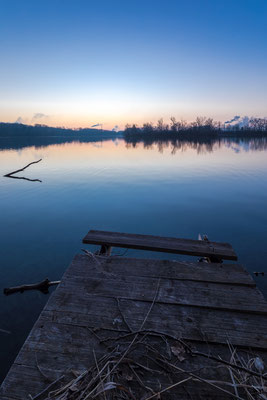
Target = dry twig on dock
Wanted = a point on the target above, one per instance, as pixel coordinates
(127, 372)
(145, 364)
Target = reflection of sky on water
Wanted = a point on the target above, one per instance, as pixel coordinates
(218, 189)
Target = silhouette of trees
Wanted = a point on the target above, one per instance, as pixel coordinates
(161, 127)
(15, 129)
(203, 126)
(258, 124)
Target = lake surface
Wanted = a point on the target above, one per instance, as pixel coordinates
(218, 189)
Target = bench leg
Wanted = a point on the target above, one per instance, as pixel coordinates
(105, 250)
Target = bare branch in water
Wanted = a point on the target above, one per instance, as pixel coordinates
(10, 175)
(42, 286)
(22, 177)
(5, 331)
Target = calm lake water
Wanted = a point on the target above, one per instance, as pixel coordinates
(218, 189)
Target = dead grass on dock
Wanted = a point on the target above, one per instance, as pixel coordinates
(148, 364)
(145, 365)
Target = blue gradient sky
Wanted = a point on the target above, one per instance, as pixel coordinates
(77, 63)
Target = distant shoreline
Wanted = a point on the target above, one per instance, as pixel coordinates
(163, 132)
(16, 136)
(18, 130)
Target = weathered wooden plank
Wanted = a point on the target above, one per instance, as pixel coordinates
(188, 322)
(161, 244)
(24, 380)
(190, 293)
(46, 359)
(7, 398)
(233, 274)
(218, 325)
(194, 293)
(55, 357)
(53, 363)
(88, 298)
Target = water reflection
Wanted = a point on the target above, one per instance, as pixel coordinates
(180, 188)
(15, 143)
(201, 146)
(23, 178)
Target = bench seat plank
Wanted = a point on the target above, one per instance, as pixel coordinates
(162, 244)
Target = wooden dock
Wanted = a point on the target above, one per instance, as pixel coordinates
(172, 327)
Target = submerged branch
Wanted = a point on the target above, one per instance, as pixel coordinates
(23, 177)
(42, 286)
(22, 169)
(10, 174)
(5, 331)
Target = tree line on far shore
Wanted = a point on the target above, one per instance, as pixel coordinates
(202, 125)
(40, 130)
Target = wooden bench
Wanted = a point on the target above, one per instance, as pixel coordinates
(215, 251)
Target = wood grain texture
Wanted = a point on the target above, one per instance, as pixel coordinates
(19, 377)
(186, 323)
(182, 292)
(205, 304)
(161, 244)
(233, 274)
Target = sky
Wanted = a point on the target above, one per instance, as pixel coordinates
(81, 63)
